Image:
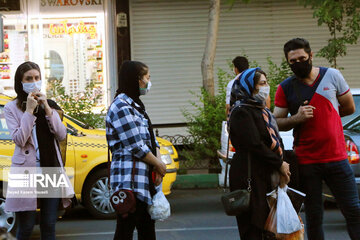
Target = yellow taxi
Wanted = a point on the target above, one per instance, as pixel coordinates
(86, 129)
(87, 154)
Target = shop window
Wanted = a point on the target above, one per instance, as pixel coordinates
(56, 66)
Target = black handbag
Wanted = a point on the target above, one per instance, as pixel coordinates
(236, 202)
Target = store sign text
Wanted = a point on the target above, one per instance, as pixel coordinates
(59, 3)
(64, 29)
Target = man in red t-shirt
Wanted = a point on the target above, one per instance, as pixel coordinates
(316, 98)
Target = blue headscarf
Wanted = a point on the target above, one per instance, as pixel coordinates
(243, 88)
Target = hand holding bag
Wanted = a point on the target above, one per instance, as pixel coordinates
(123, 200)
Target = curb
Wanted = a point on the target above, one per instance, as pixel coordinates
(189, 181)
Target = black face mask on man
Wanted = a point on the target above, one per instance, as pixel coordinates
(302, 69)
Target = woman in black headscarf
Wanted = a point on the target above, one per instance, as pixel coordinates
(135, 151)
(253, 131)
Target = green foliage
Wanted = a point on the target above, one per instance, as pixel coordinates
(205, 124)
(79, 105)
(343, 21)
(275, 75)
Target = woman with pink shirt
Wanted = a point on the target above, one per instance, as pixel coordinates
(36, 129)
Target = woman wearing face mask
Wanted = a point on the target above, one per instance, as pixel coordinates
(36, 130)
(253, 131)
(132, 142)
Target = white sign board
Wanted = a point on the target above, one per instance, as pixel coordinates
(56, 6)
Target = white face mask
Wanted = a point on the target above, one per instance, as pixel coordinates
(144, 91)
(263, 93)
(32, 87)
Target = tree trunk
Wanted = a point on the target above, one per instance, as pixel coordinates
(207, 63)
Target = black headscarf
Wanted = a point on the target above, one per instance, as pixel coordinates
(128, 81)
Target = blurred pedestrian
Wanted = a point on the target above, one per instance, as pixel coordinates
(240, 64)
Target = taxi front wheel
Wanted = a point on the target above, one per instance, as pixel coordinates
(8, 220)
(97, 195)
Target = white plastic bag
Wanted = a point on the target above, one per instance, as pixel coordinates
(224, 140)
(160, 210)
(287, 220)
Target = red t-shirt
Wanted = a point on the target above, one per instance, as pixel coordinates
(321, 138)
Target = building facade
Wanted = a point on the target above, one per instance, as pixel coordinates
(170, 37)
(79, 41)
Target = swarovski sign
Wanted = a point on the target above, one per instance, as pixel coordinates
(70, 6)
(60, 3)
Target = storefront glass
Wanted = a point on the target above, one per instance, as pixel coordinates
(67, 41)
(15, 50)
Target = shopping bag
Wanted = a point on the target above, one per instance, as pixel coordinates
(271, 222)
(297, 198)
(287, 220)
(160, 209)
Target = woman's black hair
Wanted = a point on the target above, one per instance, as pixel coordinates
(19, 74)
(257, 76)
(130, 74)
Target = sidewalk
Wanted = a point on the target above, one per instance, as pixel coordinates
(201, 179)
(188, 181)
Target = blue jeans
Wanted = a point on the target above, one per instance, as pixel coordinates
(341, 181)
(48, 216)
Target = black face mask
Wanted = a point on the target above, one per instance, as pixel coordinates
(302, 69)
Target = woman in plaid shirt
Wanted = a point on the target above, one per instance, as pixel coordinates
(131, 138)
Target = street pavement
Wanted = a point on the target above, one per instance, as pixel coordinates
(196, 215)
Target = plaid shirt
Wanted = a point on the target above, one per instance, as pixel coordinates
(128, 136)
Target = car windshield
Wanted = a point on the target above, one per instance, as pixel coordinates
(347, 119)
(77, 122)
(353, 125)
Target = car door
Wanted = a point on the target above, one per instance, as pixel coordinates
(7, 146)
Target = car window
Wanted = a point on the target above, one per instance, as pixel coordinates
(347, 119)
(4, 131)
(73, 131)
(77, 122)
(354, 126)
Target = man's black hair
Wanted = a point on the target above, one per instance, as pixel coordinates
(296, 43)
(241, 63)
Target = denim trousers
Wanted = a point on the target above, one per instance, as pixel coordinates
(48, 216)
(140, 220)
(340, 179)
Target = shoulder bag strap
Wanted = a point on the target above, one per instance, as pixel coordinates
(228, 161)
(301, 102)
(109, 166)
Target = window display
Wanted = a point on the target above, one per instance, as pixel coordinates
(73, 53)
(66, 40)
(15, 52)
